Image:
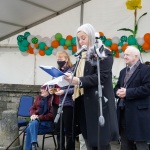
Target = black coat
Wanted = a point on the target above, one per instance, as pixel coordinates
(137, 103)
(89, 105)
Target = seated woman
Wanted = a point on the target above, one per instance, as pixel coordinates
(41, 117)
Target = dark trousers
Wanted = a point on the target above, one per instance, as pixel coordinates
(102, 147)
(142, 146)
(67, 128)
(125, 143)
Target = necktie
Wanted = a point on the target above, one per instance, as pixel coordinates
(127, 76)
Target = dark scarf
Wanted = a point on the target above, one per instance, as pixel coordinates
(44, 108)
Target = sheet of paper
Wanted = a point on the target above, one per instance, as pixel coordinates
(60, 81)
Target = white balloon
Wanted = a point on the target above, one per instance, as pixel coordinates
(119, 47)
(24, 53)
(35, 51)
(69, 52)
(140, 41)
(54, 52)
(48, 43)
(39, 38)
(115, 40)
(45, 39)
(60, 48)
(32, 45)
(121, 55)
(53, 38)
(29, 38)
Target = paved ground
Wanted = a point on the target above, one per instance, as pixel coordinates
(49, 144)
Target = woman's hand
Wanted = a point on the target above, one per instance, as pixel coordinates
(75, 80)
(60, 92)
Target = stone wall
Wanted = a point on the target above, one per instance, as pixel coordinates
(10, 95)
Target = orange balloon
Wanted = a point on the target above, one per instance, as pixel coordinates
(147, 37)
(148, 41)
(146, 46)
(124, 46)
(74, 48)
(108, 38)
(117, 54)
(36, 45)
(46, 47)
(101, 33)
(114, 47)
(69, 37)
(65, 47)
(41, 53)
(55, 44)
(30, 51)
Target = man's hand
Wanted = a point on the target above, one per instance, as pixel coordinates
(34, 117)
(121, 93)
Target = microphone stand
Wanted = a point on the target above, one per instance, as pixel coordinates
(101, 121)
(60, 109)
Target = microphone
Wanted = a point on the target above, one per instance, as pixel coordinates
(96, 35)
(99, 48)
(83, 48)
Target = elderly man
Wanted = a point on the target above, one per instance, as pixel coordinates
(133, 93)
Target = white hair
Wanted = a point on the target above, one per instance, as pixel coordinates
(133, 50)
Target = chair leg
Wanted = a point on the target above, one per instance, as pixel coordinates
(43, 142)
(54, 140)
(23, 140)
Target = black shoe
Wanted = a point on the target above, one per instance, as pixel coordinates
(34, 146)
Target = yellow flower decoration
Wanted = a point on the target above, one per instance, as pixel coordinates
(133, 4)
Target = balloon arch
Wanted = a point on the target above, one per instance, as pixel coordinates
(30, 44)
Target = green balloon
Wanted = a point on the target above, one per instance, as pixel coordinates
(73, 41)
(73, 53)
(108, 42)
(51, 48)
(26, 34)
(25, 43)
(34, 40)
(70, 47)
(42, 45)
(120, 44)
(48, 52)
(20, 38)
(113, 53)
(19, 43)
(103, 38)
(58, 36)
(120, 51)
(23, 49)
(62, 42)
(68, 43)
(132, 41)
(123, 39)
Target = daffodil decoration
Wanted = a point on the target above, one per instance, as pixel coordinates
(134, 5)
